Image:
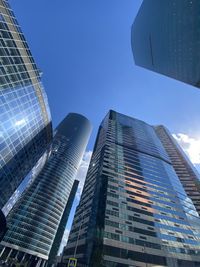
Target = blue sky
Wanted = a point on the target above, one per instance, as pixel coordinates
(84, 51)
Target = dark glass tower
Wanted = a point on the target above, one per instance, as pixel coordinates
(61, 229)
(133, 210)
(183, 167)
(25, 122)
(35, 218)
(166, 39)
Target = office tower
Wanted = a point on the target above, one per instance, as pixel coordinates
(182, 166)
(133, 210)
(34, 220)
(25, 122)
(62, 226)
(166, 39)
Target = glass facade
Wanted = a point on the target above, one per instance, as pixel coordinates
(133, 210)
(35, 218)
(25, 122)
(62, 226)
(186, 172)
(166, 39)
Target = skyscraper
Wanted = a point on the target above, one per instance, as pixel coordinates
(183, 167)
(166, 39)
(35, 218)
(25, 122)
(62, 226)
(133, 210)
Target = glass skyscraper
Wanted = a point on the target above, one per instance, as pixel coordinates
(133, 210)
(186, 172)
(166, 38)
(35, 219)
(62, 226)
(25, 122)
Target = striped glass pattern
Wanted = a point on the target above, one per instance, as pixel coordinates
(133, 210)
(186, 172)
(25, 121)
(35, 219)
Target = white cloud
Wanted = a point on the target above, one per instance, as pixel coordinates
(82, 171)
(190, 145)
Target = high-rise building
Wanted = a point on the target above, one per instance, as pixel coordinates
(133, 210)
(25, 122)
(35, 219)
(166, 39)
(183, 167)
(62, 226)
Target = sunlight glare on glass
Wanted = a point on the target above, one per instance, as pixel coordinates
(20, 122)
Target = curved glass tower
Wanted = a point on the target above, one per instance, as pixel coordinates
(133, 210)
(25, 122)
(34, 220)
(62, 226)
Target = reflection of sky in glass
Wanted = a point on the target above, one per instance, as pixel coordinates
(143, 136)
(185, 201)
(54, 183)
(25, 129)
(143, 196)
(164, 187)
(20, 120)
(26, 183)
